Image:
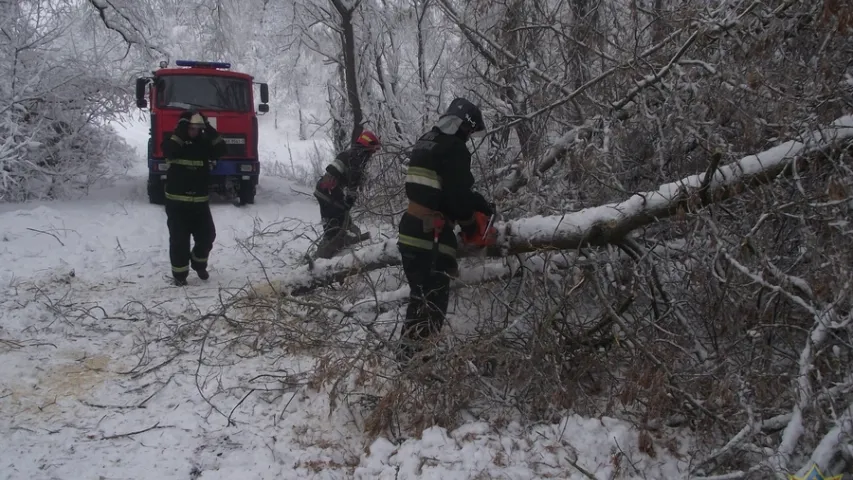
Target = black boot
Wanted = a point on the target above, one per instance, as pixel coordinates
(329, 246)
(202, 273)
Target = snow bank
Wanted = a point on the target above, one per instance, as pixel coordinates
(475, 450)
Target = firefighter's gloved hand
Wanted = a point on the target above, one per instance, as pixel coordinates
(328, 182)
(349, 200)
(207, 126)
(469, 228)
(182, 129)
(486, 208)
(210, 133)
(481, 205)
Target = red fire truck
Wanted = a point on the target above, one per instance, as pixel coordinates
(227, 99)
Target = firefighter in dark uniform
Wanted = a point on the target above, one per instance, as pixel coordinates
(336, 192)
(439, 188)
(191, 153)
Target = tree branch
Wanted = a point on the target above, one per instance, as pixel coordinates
(131, 38)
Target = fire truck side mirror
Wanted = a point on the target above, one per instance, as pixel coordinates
(141, 83)
(263, 108)
(265, 93)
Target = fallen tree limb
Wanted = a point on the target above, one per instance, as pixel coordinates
(601, 225)
(373, 257)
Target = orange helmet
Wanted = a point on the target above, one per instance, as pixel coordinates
(368, 139)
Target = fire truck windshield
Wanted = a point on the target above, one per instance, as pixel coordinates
(204, 92)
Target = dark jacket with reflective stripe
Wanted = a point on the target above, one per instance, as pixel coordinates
(189, 162)
(439, 178)
(349, 167)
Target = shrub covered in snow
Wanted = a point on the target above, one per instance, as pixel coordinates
(57, 88)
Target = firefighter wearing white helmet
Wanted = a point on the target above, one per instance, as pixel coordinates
(191, 153)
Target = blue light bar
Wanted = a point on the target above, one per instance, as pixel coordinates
(194, 63)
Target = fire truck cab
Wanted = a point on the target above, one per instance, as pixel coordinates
(226, 98)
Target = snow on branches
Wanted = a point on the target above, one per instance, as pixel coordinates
(57, 85)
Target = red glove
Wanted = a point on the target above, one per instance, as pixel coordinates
(328, 182)
(484, 235)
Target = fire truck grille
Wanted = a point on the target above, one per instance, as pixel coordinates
(235, 145)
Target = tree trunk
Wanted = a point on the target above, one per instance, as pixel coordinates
(337, 108)
(420, 11)
(348, 46)
(514, 18)
(391, 106)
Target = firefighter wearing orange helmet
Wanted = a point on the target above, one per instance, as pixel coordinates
(337, 190)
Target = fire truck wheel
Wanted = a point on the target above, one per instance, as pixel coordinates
(246, 192)
(156, 193)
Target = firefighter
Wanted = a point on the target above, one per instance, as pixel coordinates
(337, 189)
(191, 153)
(439, 188)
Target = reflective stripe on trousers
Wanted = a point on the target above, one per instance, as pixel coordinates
(426, 244)
(187, 198)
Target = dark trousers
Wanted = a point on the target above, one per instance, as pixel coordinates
(334, 218)
(429, 294)
(187, 220)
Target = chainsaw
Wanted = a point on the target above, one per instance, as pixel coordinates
(477, 243)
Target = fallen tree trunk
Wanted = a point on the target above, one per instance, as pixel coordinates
(601, 225)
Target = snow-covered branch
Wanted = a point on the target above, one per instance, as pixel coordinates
(124, 26)
(832, 442)
(608, 223)
(646, 82)
(824, 319)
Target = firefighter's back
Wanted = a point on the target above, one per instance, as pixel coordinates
(439, 164)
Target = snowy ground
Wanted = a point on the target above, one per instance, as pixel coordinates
(95, 384)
